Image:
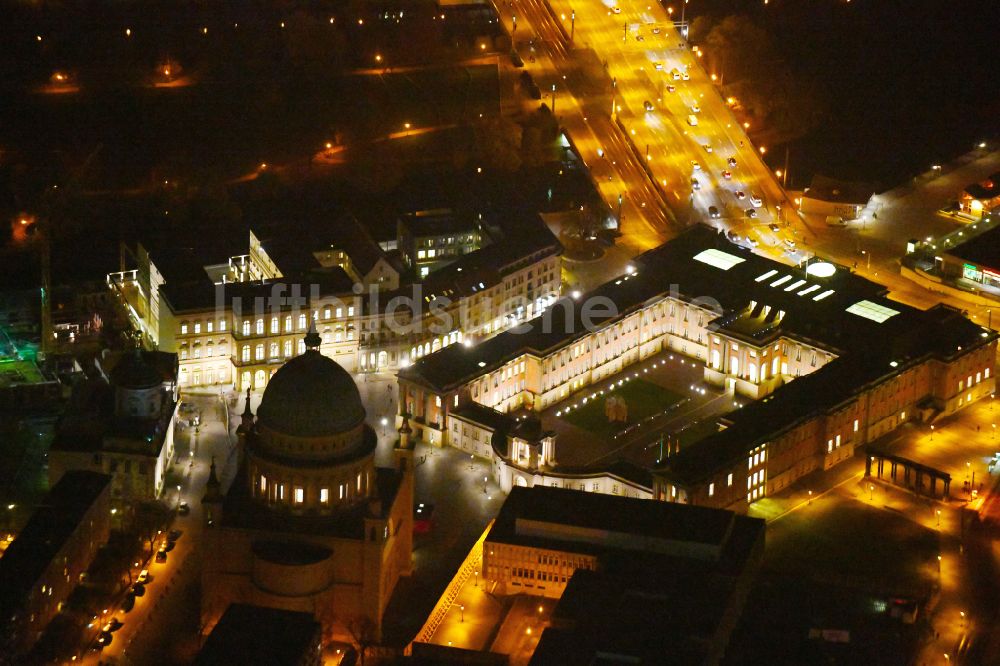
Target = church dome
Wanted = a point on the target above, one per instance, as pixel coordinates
(311, 396)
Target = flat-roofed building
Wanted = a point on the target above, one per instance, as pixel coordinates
(759, 327)
(46, 560)
(248, 634)
(603, 555)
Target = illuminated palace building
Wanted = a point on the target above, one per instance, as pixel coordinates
(235, 314)
(829, 362)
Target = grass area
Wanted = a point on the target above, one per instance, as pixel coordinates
(849, 542)
(643, 399)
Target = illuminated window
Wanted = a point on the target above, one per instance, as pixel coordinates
(855, 425)
(359, 482)
(326, 313)
(340, 312)
(729, 479)
(259, 352)
(302, 322)
(245, 353)
(342, 491)
(263, 483)
(300, 495)
(184, 354)
(302, 346)
(324, 495)
(350, 311)
(837, 441)
(711, 489)
(274, 325)
(246, 327)
(986, 373)
(437, 401)
(259, 328)
(288, 348)
(288, 323)
(829, 446)
(184, 329)
(274, 350)
(902, 417)
(421, 254)
(208, 326)
(197, 327)
(222, 324)
(281, 491)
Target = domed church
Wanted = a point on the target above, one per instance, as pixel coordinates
(309, 523)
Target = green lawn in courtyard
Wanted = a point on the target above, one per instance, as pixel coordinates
(643, 398)
(854, 544)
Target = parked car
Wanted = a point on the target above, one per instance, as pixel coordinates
(774, 227)
(755, 199)
(713, 212)
(616, 9)
(143, 576)
(671, 88)
(104, 639)
(515, 58)
(695, 185)
(727, 174)
(740, 194)
(112, 625)
(138, 589)
(695, 165)
(128, 603)
(658, 66)
(183, 509)
(707, 147)
(161, 557)
(647, 105)
(174, 535)
(752, 213)
(731, 161)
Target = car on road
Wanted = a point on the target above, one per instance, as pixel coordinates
(731, 161)
(515, 58)
(168, 546)
(640, 38)
(685, 76)
(104, 639)
(128, 603)
(740, 194)
(713, 212)
(161, 557)
(695, 108)
(183, 509)
(616, 9)
(695, 165)
(695, 185)
(174, 535)
(752, 242)
(138, 589)
(774, 227)
(423, 516)
(656, 30)
(752, 213)
(112, 625)
(143, 576)
(647, 105)
(707, 147)
(755, 199)
(658, 66)
(671, 88)
(675, 75)
(790, 243)
(727, 174)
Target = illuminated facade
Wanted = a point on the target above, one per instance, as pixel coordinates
(759, 327)
(309, 523)
(233, 321)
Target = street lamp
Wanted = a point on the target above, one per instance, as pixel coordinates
(385, 422)
(553, 99)
(810, 497)
(462, 608)
(476, 584)
(871, 491)
(939, 525)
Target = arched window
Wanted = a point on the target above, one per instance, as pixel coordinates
(245, 354)
(302, 346)
(246, 327)
(274, 350)
(260, 327)
(259, 353)
(288, 323)
(302, 322)
(288, 348)
(274, 324)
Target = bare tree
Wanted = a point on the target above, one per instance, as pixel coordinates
(364, 634)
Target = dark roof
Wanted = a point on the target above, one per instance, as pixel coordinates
(311, 396)
(133, 371)
(487, 416)
(839, 191)
(55, 520)
(204, 294)
(986, 189)
(596, 511)
(247, 634)
(667, 612)
(981, 250)
(672, 267)
(437, 222)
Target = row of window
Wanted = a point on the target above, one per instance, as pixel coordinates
(298, 493)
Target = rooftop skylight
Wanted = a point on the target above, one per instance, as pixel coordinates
(718, 259)
(761, 278)
(874, 311)
(820, 297)
(780, 281)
